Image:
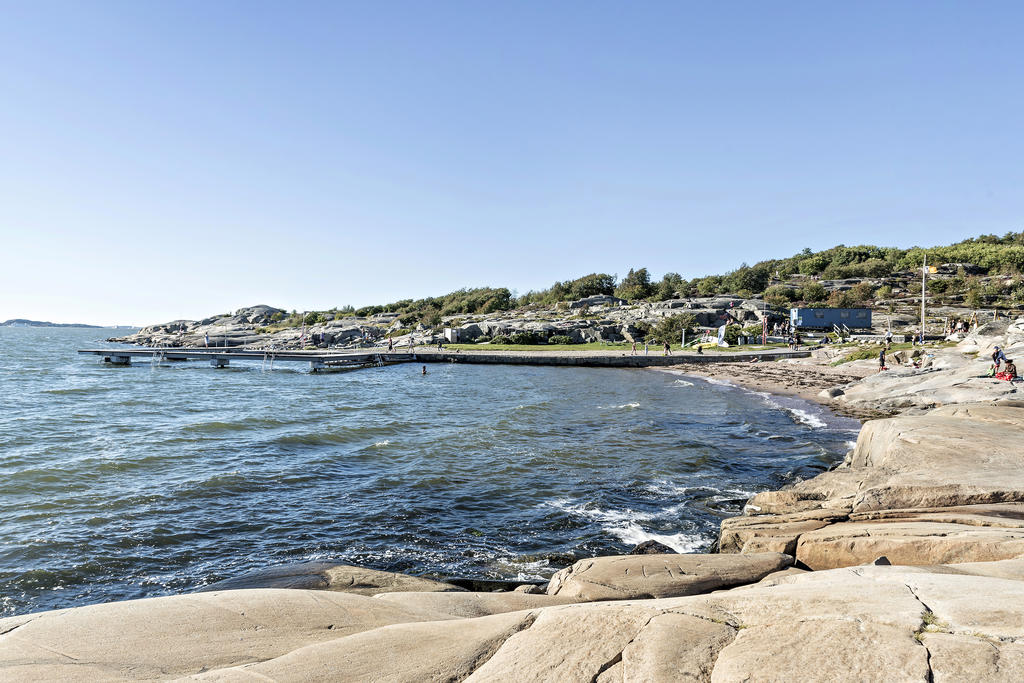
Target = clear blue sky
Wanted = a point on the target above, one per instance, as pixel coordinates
(177, 159)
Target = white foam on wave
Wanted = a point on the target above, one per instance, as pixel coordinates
(382, 444)
(804, 417)
(621, 407)
(719, 382)
(625, 524)
(633, 534)
(597, 514)
(682, 383)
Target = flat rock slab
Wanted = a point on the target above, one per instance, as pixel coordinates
(860, 623)
(329, 576)
(623, 577)
(913, 543)
(469, 605)
(183, 634)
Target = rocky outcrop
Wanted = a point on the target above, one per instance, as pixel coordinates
(859, 623)
(947, 486)
(660, 576)
(924, 488)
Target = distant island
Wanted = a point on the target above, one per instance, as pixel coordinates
(21, 322)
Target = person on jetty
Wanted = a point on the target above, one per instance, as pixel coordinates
(391, 344)
(645, 347)
(668, 349)
(634, 349)
(206, 339)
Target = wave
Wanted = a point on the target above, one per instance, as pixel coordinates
(633, 534)
(381, 444)
(804, 417)
(621, 407)
(682, 383)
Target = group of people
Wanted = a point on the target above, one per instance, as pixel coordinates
(1009, 369)
(666, 349)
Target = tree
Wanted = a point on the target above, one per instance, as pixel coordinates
(669, 285)
(813, 292)
(636, 285)
(670, 329)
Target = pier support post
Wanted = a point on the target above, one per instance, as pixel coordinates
(219, 362)
(118, 360)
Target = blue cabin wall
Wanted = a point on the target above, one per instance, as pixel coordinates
(825, 318)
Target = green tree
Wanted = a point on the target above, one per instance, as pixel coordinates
(670, 329)
(813, 292)
(636, 285)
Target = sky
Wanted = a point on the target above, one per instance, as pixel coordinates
(165, 160)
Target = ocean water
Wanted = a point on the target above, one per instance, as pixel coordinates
(128, 482)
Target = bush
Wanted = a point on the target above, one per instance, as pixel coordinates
(813, 292)
(501, 339)
(314, 318)
(525, 338)
(560, 339)
(670, 329)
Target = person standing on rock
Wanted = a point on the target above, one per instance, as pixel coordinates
(881, 359)
(888, 338)
(997, 356)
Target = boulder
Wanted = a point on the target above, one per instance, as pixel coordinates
(621, 577)
(651, 548)
(329, 576)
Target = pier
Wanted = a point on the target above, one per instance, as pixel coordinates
(352, 359)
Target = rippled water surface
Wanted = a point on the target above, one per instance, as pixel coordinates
(129, 482)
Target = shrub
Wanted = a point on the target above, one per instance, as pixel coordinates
(525, 338)
(560, 339)
(670, 329)
(501, 339)
(814, 291)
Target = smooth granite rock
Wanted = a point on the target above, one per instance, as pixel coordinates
(473, 604)
(329, 576)
(860, 623)
(622, 577)
(179, 635)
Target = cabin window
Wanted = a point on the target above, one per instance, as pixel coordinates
(862, 314)
(819, 315)
(844, 314)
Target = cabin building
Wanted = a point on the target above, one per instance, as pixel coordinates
(826, 318)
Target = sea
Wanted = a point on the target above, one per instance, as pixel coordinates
(162, 478)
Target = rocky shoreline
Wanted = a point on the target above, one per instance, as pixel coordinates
(906, 562)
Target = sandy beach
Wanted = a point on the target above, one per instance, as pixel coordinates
(803, 377)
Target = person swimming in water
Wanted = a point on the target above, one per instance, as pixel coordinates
(424, 369)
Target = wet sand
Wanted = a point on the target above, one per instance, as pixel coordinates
(803, 377)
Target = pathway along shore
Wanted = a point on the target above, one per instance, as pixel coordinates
(906, 563)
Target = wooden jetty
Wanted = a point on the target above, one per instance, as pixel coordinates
(351, 359)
